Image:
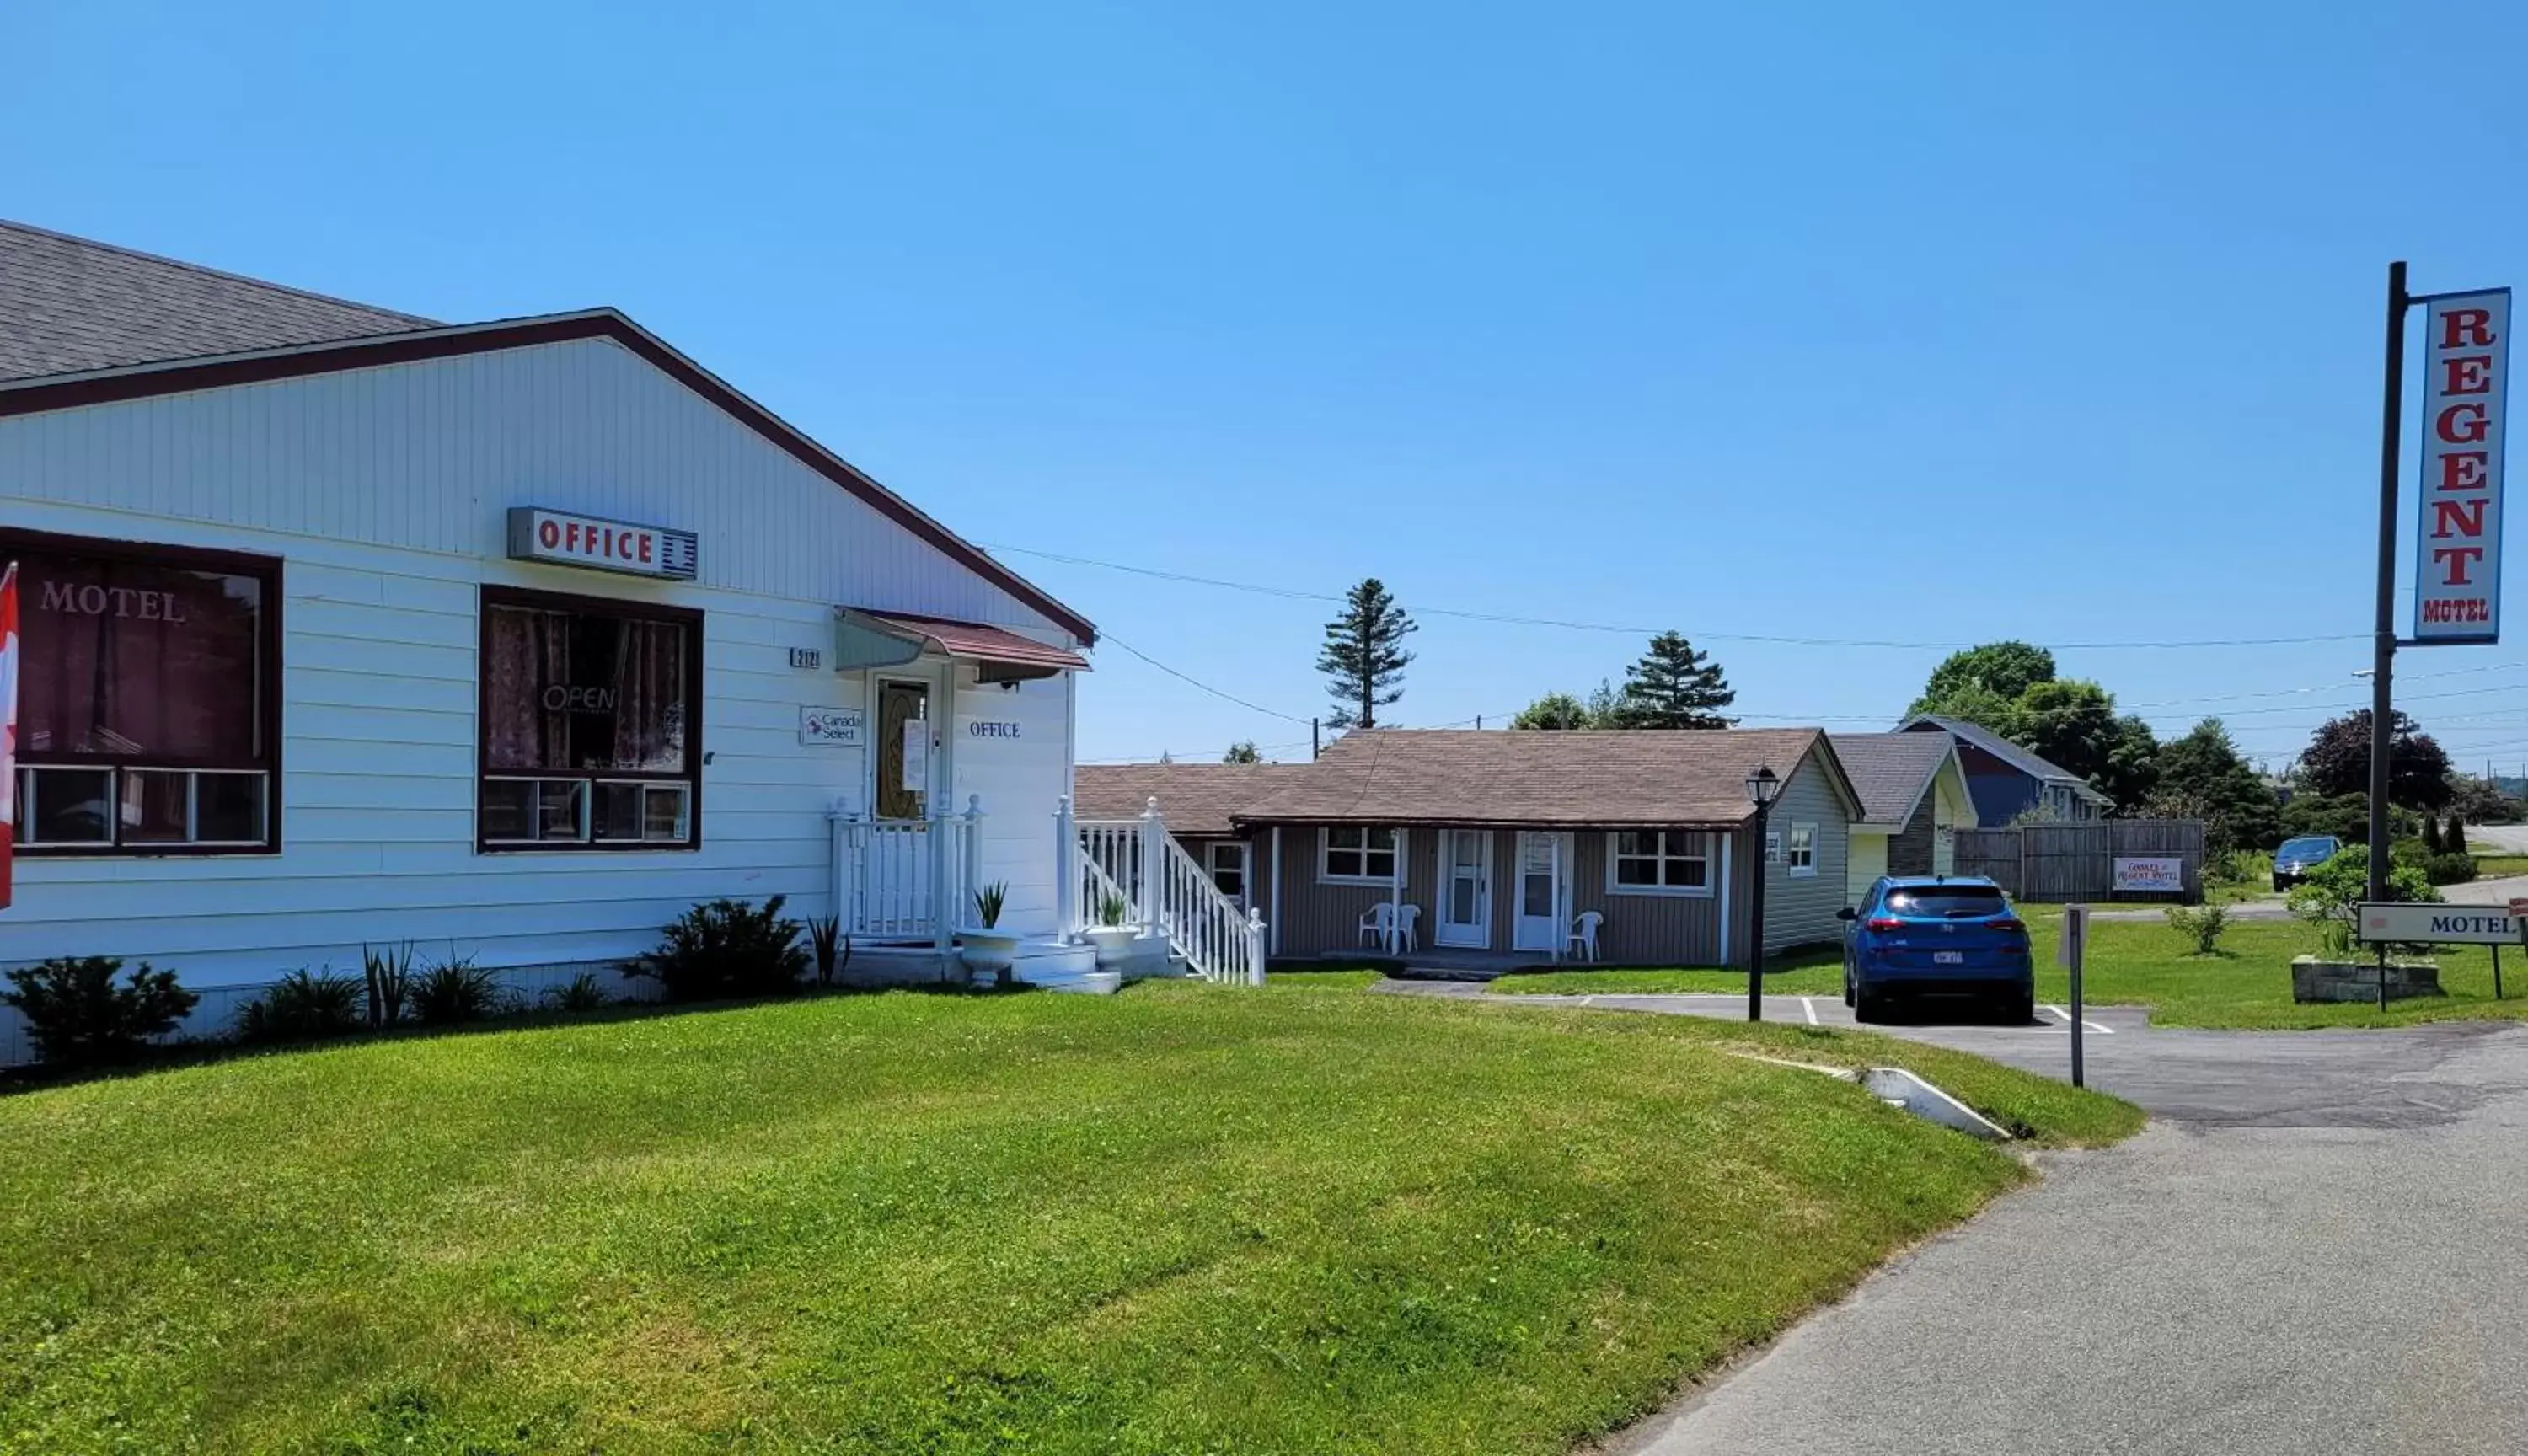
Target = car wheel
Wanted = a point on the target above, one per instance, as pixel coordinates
(2021, 1008)
(1867, 1006)
(2281, 884)
(1847, 988)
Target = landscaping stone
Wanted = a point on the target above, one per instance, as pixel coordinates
(2313, 979)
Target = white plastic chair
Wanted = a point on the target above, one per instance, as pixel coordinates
(1378, 925)
(1407, 918)
(1584, 933)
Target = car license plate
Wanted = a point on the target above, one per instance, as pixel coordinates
(1948, 958)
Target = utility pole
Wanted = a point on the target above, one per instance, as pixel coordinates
(1314, 747)
(2383, 650)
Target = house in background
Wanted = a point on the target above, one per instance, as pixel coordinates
(1914, 798)
(2008, 781)
(1500, 841)
(1194, 801)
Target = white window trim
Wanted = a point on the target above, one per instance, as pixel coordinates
(1324, 835)
(1809, 870)
(1246, 866)
(1667, 892)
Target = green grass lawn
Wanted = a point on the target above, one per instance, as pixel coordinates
(1187, 1219)
(2139, 963)
(2500, 866)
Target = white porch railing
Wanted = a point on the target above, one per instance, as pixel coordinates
(1168, 890)
(907, 880)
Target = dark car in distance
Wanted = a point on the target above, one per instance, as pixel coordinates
(1936, 935)
(2297, 857)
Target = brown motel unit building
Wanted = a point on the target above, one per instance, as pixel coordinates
(1502, 845)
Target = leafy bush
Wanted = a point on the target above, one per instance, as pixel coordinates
(2239, 868)
(583, 994)
(2201, 924)
(2449, 868)
(726, 949)
(456, 990)
(2347, 817)
(77, 1016)
(831, 947)
(2331, 897)
(388, 979)
(304, 1006)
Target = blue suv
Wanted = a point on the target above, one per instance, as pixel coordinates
(1927, 935)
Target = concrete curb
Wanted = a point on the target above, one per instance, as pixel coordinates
(1897, 1087)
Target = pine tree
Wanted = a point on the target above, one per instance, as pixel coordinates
(1673, 685)
(1364, 656)
(1242, 752)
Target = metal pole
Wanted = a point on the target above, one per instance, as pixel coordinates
(1755, 923)
(1314, 747)
(2496, 972)
(2079, 1078)
(2383, 658)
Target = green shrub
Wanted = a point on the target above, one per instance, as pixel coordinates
(304, 1006)
(77, 1016)
(2241, 867)
(386, 976)
(456, 990)
(2331, 897)
(724, 949)
(2449, 868)
(831, 947)
(2201, 924)
(582, 994)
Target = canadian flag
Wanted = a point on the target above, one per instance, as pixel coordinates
(8, 721)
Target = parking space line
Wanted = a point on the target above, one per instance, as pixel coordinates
(2086, 1021)
(1809, 1006)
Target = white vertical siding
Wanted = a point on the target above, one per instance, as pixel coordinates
(383, 493)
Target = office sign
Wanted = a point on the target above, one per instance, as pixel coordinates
(2150, 875)
(2458, 546)
(561, 539)
(831, 727)
(2437, 924)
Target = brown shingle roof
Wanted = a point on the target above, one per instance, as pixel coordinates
(1572, 779)
(1889, 769)
(1195, 799)
(69, 305)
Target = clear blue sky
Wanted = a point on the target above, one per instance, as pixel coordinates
(2026, 321)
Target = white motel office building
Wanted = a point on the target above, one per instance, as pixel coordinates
(512, 640)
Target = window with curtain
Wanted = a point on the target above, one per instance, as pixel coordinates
(145, 698)
(591, 716)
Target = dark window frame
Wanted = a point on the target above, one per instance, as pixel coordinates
(267, 570)
(618, 609)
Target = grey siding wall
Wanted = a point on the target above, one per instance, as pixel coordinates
(1316, 919)
(1648, 929)
(1799, 910)
(1910, 851)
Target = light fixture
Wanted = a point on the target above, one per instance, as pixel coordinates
(1763, 788)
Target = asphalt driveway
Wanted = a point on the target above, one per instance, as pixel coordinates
(2315, 1247)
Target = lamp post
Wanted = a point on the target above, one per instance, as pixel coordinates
(1763, 788)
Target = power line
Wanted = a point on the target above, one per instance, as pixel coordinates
(1198, 683)
(1293, 593)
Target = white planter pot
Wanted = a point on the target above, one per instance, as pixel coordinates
(1114, 943)
(994, 951)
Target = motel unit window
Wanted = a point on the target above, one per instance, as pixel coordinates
(591, 712)
(1226, 860)
(1659, 862)
(1356, 853)
(148, 699)
(1803, 851)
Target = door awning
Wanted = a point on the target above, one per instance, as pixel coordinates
(872, 639)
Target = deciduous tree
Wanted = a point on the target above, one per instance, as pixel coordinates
(2337, 762)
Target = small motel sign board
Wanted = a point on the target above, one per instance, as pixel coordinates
(2437, 924)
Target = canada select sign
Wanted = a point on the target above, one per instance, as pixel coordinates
(2458, 551)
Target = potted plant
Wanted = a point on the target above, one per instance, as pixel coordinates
(987, 947)
(1114, 934)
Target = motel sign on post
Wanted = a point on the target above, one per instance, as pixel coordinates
(2457, 547)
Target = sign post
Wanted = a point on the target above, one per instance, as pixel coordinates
(2069, 954)
(2457, 538)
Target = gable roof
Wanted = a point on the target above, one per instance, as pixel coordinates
(271, 332)
(74, 305)
(1197, 799)
(1581, 779)
(1891, 772)
(2007, 752)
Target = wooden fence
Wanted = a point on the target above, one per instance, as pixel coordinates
(2061, 863)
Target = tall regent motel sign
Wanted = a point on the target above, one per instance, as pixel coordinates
(2458, 549)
